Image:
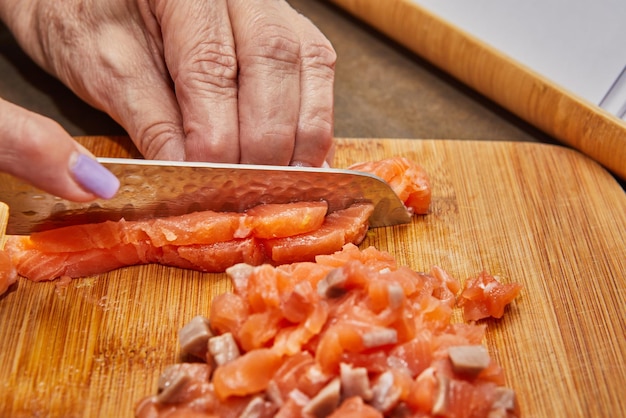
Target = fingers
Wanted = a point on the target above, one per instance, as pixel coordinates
(112, 58)
(148, 111)
(200, 53)
(285, 84)
(246, 81)
(314, 134)
(256, 90)
(39, 151)
(268, 50)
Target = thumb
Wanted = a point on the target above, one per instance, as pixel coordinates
(38, 150)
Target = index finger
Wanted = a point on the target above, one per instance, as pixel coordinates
(38, 150)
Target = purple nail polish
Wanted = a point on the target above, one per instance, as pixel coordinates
(92, 176)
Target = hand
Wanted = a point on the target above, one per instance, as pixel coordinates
(247, 81)
(39, 151)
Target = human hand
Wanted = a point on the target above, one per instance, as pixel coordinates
(247, 81)
(39, 151)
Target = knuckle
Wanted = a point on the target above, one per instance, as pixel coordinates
(154, 140)
(273, 44)
(209, 64)
(320, 55)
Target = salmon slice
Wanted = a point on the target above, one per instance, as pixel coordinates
(40, 266)
(76, 238)
(339, 228)
(194, 228)
(203, 241)
(284, 220)
(248, 374)
(206, 227)
(406, 178)
(213, 258)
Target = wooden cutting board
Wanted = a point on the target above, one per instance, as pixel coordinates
(541, 215)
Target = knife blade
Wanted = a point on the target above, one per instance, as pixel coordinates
(152, 188)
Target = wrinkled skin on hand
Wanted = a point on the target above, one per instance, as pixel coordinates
(239, 81)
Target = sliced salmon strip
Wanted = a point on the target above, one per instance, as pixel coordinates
(207, 227)
(284, 220)
(203, 241)
(339, 228)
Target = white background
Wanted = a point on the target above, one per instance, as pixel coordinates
(578, 44)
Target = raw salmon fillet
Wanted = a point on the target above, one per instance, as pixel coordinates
(203, 241)
(351, 334)
(209, 241)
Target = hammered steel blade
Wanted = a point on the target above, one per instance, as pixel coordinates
(164, 188)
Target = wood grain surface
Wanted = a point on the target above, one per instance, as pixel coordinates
(541, 215)
(541, 102)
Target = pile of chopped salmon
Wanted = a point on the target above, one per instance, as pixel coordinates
(350, 335)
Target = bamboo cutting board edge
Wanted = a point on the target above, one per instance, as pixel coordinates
(543, 215)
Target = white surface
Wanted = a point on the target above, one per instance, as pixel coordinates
(578, 44)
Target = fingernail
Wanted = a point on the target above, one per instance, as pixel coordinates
(303, 164)
(299, 164)
(93, 177)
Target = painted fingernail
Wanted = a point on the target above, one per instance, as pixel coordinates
(93, 177)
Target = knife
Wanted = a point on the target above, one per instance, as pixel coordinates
(152, 188)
